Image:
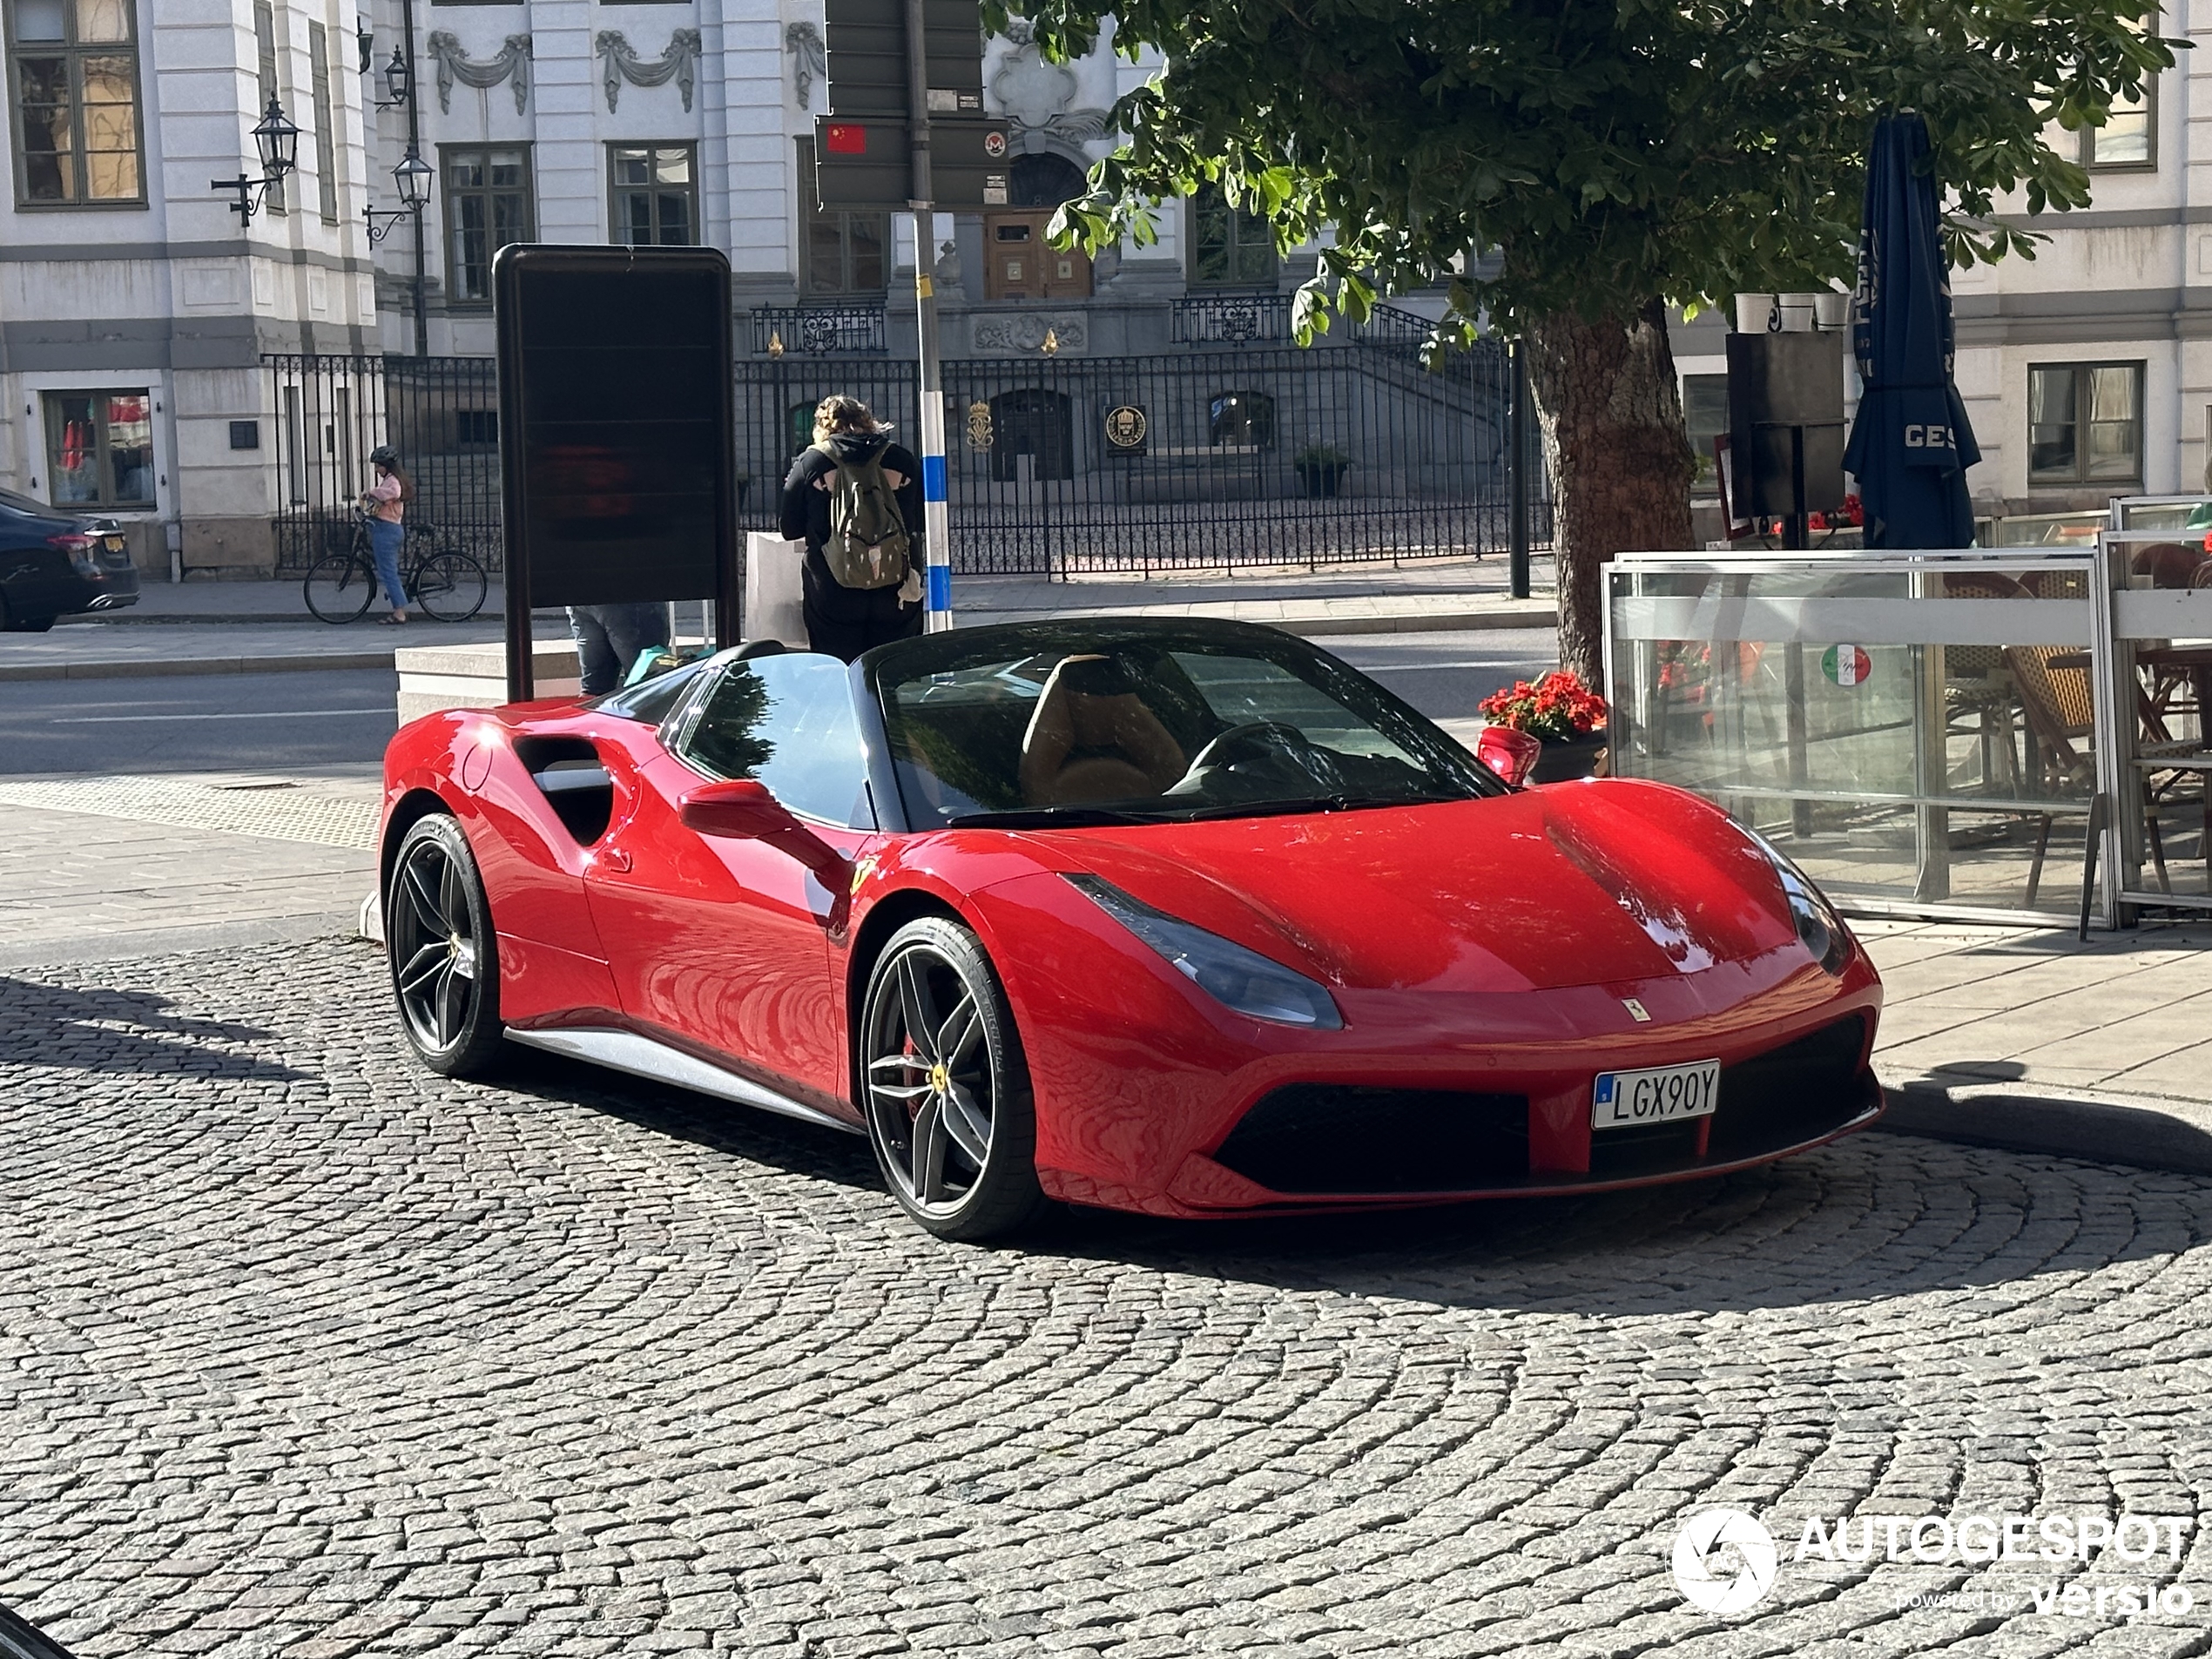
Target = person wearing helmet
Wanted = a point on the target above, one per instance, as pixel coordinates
(385, 501)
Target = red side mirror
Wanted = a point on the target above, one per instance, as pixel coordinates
(1509, 753)
(742, 809)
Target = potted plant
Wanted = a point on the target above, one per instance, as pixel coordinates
(1563, 714)
(1321, 468)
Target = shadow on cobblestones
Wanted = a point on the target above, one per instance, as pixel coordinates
(91, 1029)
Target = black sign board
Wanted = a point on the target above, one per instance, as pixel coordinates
(866, 165)
(868, 57)
(1785, 407)
(618, 435)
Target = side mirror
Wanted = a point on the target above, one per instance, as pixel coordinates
(742, 809)
(1509, 753)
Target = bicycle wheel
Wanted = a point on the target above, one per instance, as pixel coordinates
(450, 586)
(339, 587)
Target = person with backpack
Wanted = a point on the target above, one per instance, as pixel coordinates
(855, 497)
(385, 501)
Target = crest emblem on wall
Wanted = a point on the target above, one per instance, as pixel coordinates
(1126, 426)
(979, 425)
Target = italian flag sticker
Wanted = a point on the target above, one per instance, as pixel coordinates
(1846, 664)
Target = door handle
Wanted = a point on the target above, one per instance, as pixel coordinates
(616, 860)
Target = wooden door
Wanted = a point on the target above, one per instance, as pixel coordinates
(1021, 264)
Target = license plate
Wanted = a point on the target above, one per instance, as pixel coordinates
(113, 543)
(1656, 1094)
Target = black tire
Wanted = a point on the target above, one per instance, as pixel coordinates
(444, 956)
(935, 1101)
(450, 587)
(13, 623)
(339, 587)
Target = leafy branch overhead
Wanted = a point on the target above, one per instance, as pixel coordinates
(1611, 153)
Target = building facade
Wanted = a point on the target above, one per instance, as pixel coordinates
(135, 305)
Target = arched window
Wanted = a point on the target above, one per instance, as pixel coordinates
(1044, 180)
(1242, 420)
(1230, 248)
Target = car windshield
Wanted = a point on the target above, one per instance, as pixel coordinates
(1042, 725)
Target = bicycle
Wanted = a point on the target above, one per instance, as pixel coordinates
(446, 583)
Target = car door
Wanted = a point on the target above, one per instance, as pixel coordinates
(724, 943)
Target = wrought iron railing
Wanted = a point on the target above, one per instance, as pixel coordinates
(1230, 319)
(817, 331)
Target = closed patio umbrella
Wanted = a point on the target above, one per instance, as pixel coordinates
(1910, 444)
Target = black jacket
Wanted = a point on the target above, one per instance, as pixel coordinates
(806, 509)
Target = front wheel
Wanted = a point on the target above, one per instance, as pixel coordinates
(944, 1088)
(339, 587)
(444, 956)
(450, 587)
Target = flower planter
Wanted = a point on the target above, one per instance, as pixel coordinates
(1563, 762)
(1322, 478)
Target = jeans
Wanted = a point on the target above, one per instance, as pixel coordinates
(385, 540)
(609, 639)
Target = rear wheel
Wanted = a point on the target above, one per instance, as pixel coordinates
(339, 587)
(450, 587)
(945, 1088)
(444, 957)
(11, 622)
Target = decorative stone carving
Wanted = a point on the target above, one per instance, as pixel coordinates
(1034, 96)
(453, 64)
(948, 265)
(620, 62)
(809, 59)
(1024, 331)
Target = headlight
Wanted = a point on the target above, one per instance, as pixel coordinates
(1237, 978)
(1819, 928)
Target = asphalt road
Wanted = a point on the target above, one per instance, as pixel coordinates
(277, 722)
(197, 722)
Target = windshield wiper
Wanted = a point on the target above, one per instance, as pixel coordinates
(1049, 818)
(1337, 803)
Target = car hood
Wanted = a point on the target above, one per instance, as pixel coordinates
(1580, 884)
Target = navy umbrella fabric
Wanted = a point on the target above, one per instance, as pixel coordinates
(1910, 444)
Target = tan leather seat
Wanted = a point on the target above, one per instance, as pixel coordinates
(1081, 747)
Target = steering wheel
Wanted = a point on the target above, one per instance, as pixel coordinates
(1263, 737)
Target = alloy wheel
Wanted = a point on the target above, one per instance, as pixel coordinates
(931, 1095)
(434, 949)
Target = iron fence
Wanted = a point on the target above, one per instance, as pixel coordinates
(1056, 466)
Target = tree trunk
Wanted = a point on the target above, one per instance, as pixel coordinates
(1619, 464)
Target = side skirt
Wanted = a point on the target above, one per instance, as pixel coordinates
(643, 1057)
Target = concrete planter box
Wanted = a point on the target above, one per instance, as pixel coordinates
(474, 677)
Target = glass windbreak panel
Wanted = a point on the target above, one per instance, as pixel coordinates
(1954, 700)
(2051, 529)
(788, 722)
(2162, 627)
(2191, 513)
(1147, 726)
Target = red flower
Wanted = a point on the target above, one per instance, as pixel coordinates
(1558, 708)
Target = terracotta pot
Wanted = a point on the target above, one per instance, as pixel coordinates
(1578, 757)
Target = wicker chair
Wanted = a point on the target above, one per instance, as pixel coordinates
(2061, 713)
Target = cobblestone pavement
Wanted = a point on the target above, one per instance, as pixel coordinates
(305, 1351)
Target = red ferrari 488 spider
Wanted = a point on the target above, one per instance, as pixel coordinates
(1187, 918)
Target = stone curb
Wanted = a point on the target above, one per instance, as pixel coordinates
(1521, 614)
(161, 667)
(2139, 1130)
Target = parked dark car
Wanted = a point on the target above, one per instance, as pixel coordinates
(54, 564)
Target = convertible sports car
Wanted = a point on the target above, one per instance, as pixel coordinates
(1184, 918)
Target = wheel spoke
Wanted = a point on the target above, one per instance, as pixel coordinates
(452, 902)
(929, 1143)
(424, 897)
(899, 1063)
(424, 966)
(452, 1002)
(961, 1032)
(917, 1005)
(964, 1121)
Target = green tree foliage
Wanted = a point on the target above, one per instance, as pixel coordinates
(1614, 152)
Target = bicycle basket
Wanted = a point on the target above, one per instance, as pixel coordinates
(338, 536)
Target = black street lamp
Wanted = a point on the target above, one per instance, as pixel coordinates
(399, 82)
(413, 178)
(277, 141)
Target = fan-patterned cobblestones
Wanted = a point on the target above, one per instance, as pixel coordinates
(305, 1352)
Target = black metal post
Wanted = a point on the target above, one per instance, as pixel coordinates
(1517, 473)
(415, 147)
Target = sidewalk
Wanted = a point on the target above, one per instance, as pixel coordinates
(263, 627)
